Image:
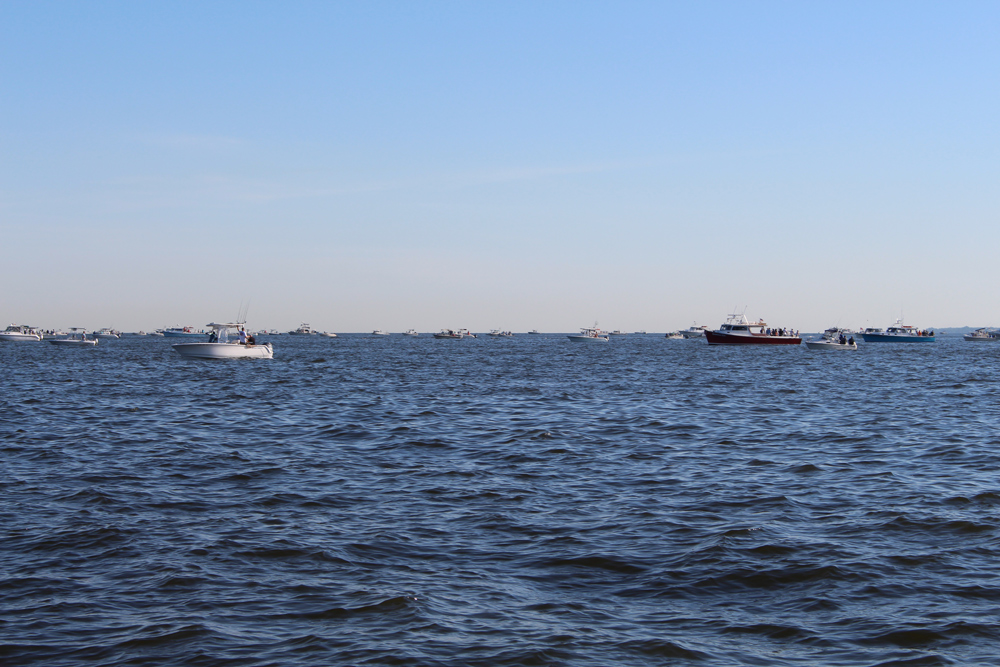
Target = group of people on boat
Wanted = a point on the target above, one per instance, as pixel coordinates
(845, 340)
(246, 338)
(780, 332)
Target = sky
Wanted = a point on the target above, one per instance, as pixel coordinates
(513, 165)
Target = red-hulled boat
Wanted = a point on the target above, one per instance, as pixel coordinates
(738, 331)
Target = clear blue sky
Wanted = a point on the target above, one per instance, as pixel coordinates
(514, 165)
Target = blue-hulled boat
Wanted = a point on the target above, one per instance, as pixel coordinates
(898, 333)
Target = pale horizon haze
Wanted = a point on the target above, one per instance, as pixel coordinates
(516, 165)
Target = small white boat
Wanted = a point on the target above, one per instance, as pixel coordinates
(20, 332)
(451, 334)
(107, 333)
(618, 332)
(983, 335)
(327, 334)
(694, 331)
(640, 332)
(222, 347)
(379, 332)
(497, 333)
(183, 332)
(410, 332)
(76, 337)
(675, 335)
(534, 331)
(833, 339)
(303, 330)
(590, 335)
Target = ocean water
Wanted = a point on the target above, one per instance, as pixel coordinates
(525, 501)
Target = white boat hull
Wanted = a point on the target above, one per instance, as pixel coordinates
(224, 351)
(72, 342)
(588, 339)
(830, 345)
(20, 337)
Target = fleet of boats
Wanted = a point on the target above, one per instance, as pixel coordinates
(222, 343)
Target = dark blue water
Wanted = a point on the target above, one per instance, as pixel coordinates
(526, 501)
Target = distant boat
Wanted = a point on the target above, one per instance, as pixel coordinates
(303, 330)
(327, 334)
(453, 334)
(983, 335)
(589, 335)
(675, 335)
(379, 332)
(833, 338)
(618, 332)
(534, 331)
(183, 332)
(694, 331)
(898, 333)
(20, 332)
(76, 337)
(410, 332)
(107, 333)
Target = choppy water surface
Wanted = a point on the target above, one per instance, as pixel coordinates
(526, 501)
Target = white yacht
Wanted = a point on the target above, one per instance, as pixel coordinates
(220, 345)
(76, 337)
(590, 335)
(107, 332)
(20, 332)
(618, 332)
(675, 335)
(303, 330)
(410, 332)
(327, 334)
(379, 332)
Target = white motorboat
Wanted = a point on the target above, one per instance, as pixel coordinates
(497, 333)
(451, 334)
(534, 331)
(590, 335)
(303, 330)
(410, 332)
(76, 337)
(327, 334)
(694, 331)
(20, 332)
(379, 332)
(675, 335)
(183, 332)
(618, 332)
(221, 347)
(834, 339)
(640, 332)
(107, 333)
(983, 335)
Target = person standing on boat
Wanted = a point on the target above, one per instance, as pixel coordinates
(243, 336)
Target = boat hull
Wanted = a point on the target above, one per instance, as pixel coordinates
(224, 351)
(184, 334)
(588, 339)
(68, 342)
(981, 339)
(890, 338)
(829, 345)
(17, 337)
(717, 338)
